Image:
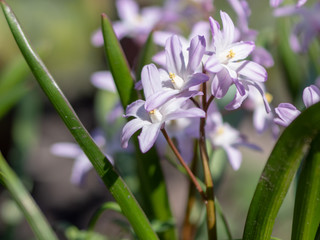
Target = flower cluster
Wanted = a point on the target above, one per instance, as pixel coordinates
(178, 90)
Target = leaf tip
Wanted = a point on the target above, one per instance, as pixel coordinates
(103, 15)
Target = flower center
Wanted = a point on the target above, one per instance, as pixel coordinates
(177, 81)
(231, 54)
(155, 115)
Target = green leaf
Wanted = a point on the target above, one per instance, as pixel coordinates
(279, 172)
(104, 168)
(106, 206)
(31, 211)
(306, 218)
(118, 64)
(152, 185)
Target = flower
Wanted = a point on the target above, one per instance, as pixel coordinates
(223, 135)
(287, 112)
(181, 72)
(151, 121)
(133, 22)
(227, 59)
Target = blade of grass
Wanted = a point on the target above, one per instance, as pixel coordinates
(105, 170)
(25, 202)
(278, 173)
(306, 218)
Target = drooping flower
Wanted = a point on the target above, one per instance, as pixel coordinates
(151, 121)
(227, 59)
(134, 23)
(287, 112)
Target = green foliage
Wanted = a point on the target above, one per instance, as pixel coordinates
(279, 171)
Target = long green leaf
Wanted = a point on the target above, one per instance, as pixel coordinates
(279, 172)
(118, 64)
(31, 211)
(152, 184)
(306, 218)
(112, 180)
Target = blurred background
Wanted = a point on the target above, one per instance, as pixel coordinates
(60, 31)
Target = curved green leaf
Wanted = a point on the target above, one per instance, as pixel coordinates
(104, 168)
(306, 218)
(279, 172)
(152, 185)
(31, 211)
(106, 206)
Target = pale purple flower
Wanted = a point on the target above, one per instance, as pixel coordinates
(225, 136)
(134, 23)
(151, 121)
(181, 72)
(287, 112)
(307, 29)
(81, 165)
(227, 59)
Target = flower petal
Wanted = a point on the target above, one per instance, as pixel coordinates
(136, 109)
(195, 80)
(103, 80)
(234, 157)
(250, 70)
(228, 28)
(128, 10)
(130, 128)
(66, 149)
(241, 50)
(213, 64)
(150, 79)
(174, 55)
(159, 98)
(196, 51)
(148, 136)
(286, 114)
(221, 83)
(311, 95)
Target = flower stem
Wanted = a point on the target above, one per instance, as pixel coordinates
(211, 214)
(178, 155)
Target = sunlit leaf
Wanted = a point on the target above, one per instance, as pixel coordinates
(278, 173)
(307, 203)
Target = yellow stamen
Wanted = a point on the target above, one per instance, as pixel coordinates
(231, 54)
(152, 112)
(172, 76)
(269, 97)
